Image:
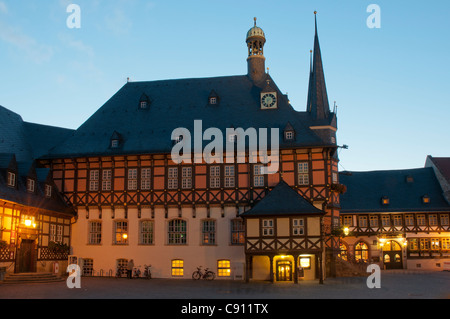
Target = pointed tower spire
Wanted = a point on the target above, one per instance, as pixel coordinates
(317, 103)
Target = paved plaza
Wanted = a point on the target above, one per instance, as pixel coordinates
(394, 285)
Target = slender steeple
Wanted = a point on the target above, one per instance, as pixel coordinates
(317, 103)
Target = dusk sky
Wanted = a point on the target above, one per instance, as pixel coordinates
(391, 84)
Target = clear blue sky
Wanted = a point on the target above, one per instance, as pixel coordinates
(391, 84)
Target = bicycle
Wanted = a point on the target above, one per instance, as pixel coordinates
(147, 272)
(121, 271)
(207, 274)
(136, 272)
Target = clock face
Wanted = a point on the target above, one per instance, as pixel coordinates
(269, 100)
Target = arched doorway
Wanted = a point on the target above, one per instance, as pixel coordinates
(362, 252)
(392, 255)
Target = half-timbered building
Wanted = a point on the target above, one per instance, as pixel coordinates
(398, 219)
(134, 201)
(35, 220)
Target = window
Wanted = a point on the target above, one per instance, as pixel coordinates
(146, 178)
(362, 221)
(289, 135)
(432, 219)
(398, 220)
(229, 176)
(385, 200)
(267, 228)
(258, 177)
(48, 190)
(132, 178)
(223, 268)
(424, 243)
(106, 179)
(122, 264)
(445, 243)
(95, 233)
(11, 179)
(172, 182)
(413, 245)
(177, 232)
(386, 220)
(121, 232)
(88, 267)
(444, 219)
(361, 252)
(114, 143)
(409, 220)
(421, 220)
(93, 180)
(298, 227)
(343, 251)
(56, 233)
(143, 104)
(30, 185)
(373, 221)
(146, 232)
(426, 199)
(347, 221)
(177, 268)
(212, 100)
(186, 177)
(208, 232)
(305, 262)
(303, 173)
(237, 232)
(214, 176)
(434, 243)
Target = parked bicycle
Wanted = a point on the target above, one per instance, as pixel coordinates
(147, 272)
(121, 272)
(207, 274)
(137, 272)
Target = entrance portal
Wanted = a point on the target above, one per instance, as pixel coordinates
(392, 255)
(284, 270)
(26, 257)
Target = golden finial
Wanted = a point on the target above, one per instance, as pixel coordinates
(255, 20)
(315, 12)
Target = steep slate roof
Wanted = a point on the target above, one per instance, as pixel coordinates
(283, 200)
(366, 189)
(443, 165)
(177, 103)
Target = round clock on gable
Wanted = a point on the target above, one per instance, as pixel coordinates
(268, 101)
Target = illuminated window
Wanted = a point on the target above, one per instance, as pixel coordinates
(426, 199)
(237, 232)
(146, 178)
(267, 227)
(223, 268)
(95, 233)
(413, 244)
(132, 178)
(172, 181)
(186, 177)
(361, 252)
(343, 251)
(177, 268)
(56, 233)
(214, 176)
(305, 262)
(373, 221)
(177, 232)
(434, 243)
(347, 220)
(303, 173)
(121, 232)
(386, 220)
(146, 232)
(93, 180)
(445, 243)
(385, 200)
(208, 232)
(424, 243)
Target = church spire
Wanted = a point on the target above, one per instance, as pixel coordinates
(317, 103)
